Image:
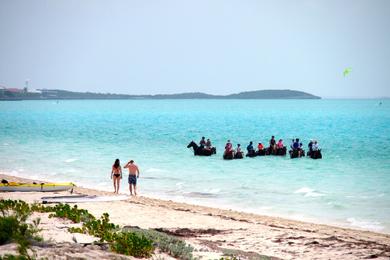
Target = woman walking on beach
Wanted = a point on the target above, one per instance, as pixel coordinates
(116, 175)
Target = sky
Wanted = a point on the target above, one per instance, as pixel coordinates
(211, 46)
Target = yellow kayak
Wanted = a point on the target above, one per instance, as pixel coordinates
(18, 186)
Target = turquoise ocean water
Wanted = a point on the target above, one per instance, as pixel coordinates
(78, 141)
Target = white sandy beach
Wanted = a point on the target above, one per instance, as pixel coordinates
(211, 231)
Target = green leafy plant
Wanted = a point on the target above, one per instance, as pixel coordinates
(7, 229)
(18, 208)
(14, 257)
(130, 243)
(134, 242)
(166, 243)
(76, 230)
(13, 226)
(72, 213)
(101, 228)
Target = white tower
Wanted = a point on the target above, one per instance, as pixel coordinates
(26, 85)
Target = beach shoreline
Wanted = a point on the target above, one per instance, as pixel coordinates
(247, 232)
(96, 191)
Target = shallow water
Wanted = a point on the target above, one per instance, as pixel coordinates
(79, 140)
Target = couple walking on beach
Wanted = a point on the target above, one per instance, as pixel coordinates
(116, 176)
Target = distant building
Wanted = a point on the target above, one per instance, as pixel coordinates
(10, 92)
(49, 93)
(2, 90)
(15, 90)
(37, 91)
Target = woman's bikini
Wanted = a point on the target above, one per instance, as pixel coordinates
(116, 174)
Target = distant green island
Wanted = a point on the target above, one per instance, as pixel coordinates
(41, 94)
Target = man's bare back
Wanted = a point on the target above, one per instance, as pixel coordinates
(133, 175)
(133, 169)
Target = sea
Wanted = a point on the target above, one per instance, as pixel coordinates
(78, 141)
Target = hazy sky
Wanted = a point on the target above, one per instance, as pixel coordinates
(213, 46)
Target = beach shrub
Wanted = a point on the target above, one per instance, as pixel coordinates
(25, 234)
(234, 254)
(7, 229)
(37, 207)
(127, 243)
(13, 226)
(166, 243)
(101, 228)
(18, 208)
(76, 230)
(14, 257)
(130, 243)
(134, 241)
(72, 213)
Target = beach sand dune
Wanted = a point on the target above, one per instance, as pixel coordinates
(215, 231)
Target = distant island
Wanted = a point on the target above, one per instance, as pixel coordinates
(42, 94)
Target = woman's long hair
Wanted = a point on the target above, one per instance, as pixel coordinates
(117, 164)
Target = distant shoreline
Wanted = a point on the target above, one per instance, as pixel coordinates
(55, 94)
(154, 99)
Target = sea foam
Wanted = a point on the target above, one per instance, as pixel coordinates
(364, 224)
(71, 160)
(150, 170)
(308, 192)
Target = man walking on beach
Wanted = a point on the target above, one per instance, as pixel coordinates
(133, 175)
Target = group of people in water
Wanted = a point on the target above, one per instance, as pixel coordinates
(274, 147)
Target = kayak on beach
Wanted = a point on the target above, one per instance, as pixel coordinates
(28, 187)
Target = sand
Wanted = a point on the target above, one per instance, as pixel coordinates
(212, 231)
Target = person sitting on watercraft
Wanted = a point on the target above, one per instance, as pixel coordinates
(280, 145)
(260, 147)
(249, 148)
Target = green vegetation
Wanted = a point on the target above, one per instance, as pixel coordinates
(13, 226)
(233, 254)
(14, 257)
(166, 243)
(134, 242)
(229, 258)
(7, 229)
(18, 208)
(130, 243)
(65, 211)
(101, 228)
(120, 242)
